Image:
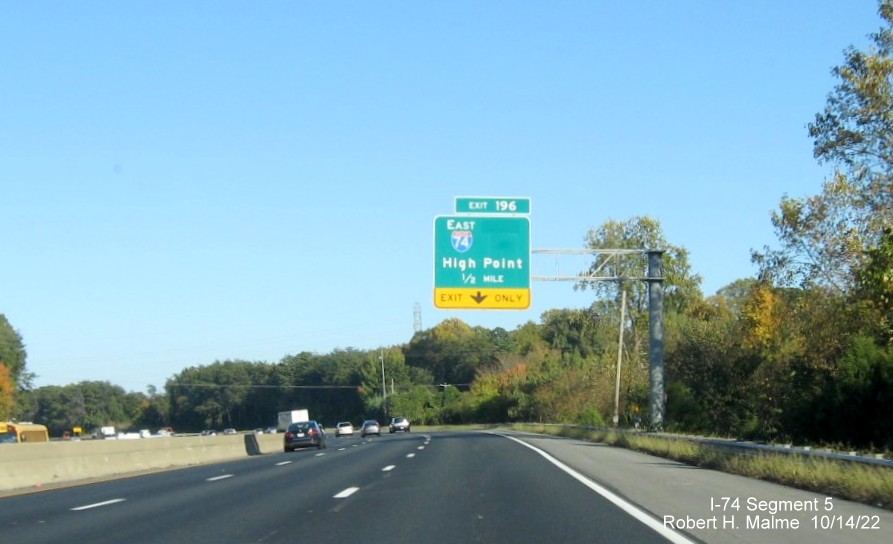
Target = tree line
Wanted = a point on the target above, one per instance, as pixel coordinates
(802, 352)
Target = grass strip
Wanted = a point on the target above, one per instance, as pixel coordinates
(867, 484)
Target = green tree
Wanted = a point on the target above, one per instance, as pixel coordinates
(153, 411)
(420, 403)
(733, 296)
(13, 355)
(52, 408)
(326, 384)
(88, 404)
(681, 286)
(858, 401)
(224, 394)
(567, 398)
(573, 332)
(453, 352)
(875, 285)
(709, 374)
(824, 237)
(528, 338)
(7, 393)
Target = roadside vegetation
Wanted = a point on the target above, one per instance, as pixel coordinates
(801, 353)
(864, 483)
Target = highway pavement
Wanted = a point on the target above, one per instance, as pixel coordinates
(450, 487)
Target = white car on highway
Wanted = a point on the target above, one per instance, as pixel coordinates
(344, 428)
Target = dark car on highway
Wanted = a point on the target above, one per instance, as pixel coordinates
(305, 434)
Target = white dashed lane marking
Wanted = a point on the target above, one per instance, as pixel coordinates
(97, 505)
(347, 492)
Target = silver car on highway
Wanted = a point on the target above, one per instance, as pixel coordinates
(370, 426)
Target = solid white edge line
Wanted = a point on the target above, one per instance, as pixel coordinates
(624, 505)
(347, 493)
(97, 505)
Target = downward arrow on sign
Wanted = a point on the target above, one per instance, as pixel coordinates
(479, 297)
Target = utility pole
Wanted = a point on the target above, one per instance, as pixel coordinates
(619, 355)
(384, 388)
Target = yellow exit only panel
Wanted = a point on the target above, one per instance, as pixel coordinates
(481, 299)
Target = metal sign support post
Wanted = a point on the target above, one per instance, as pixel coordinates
(656, 396)
(654, 278)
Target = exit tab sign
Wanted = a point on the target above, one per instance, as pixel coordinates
(494, 205)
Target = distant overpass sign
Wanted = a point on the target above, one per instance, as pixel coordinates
(482, 261)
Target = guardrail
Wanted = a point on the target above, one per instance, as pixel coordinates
(741, 446)
(745, 447)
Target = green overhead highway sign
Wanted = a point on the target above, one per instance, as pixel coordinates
(481, 262)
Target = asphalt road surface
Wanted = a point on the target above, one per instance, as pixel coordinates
(460, 487)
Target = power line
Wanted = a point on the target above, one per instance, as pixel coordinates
(253, 386)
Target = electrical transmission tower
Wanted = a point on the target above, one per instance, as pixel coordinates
(417, 317)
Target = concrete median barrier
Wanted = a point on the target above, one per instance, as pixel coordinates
(38, 464)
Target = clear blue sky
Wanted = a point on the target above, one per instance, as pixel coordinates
(184, 181)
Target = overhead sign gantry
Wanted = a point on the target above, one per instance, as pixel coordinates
(482, 261)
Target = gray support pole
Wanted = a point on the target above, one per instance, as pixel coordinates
(656, 395)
